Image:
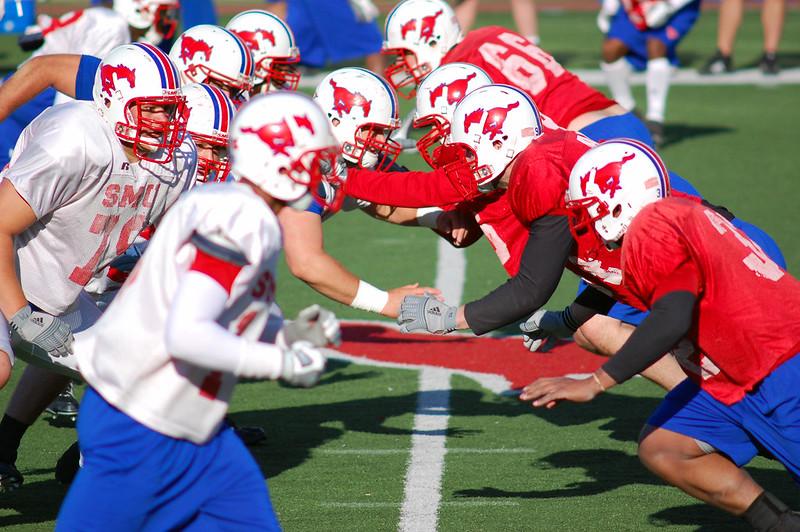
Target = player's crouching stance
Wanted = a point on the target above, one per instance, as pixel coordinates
(197, 313)
(702, 279)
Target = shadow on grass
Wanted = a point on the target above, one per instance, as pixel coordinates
(677, 133)
(36, 502)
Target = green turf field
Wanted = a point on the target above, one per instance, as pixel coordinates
(337, 454)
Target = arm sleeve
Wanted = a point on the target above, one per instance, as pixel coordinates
(595, 300)
(403, 189)
(668, 322)
(84, 80)
(194, 336)
(542, 263)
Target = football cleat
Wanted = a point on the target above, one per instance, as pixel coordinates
(10, 477)
(718, 64)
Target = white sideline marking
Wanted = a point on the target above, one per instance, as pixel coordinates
(422, 492)
(682, 76)
(452, 450)
(451, 268)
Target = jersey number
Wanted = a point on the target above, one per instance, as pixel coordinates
(757, 261)
(517, 67)
(104, 224)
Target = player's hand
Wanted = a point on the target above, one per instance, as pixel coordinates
(396, 295)
(426, 313)
(47, 332)
(455, 224)
(543, 329)
(607, 10)
(547, 392)
(365, 10)
(315, 325)
(656, 13)
(303, 364)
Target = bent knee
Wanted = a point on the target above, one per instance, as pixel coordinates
(613, 49)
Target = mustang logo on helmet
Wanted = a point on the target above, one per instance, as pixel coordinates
(428, 23)
(607, 177)
(456, 90)
(277, 135)
(253, 39)
(191, 47)
(345, 100)
(304, 122)
(411, 25)
(109, 74)
(495, 118)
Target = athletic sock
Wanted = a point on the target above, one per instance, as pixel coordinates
(658, 74)
(765, 513)
(11, 432)
(618, 75)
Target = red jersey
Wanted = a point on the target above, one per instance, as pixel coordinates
(511, 59)
(502, 229)
(745, 322)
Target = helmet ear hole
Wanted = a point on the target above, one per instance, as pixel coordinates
(616, 211)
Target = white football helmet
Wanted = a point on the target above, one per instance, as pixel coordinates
(495, 123)
(419, 33)
(437, 96)
(136, 76)
(274, 50)
(160, 16)
(363, 111)
(278, 142)
(210, 118)
(214, 55)
(612, 182)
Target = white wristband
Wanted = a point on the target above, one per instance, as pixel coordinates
(428, 216)
(370, 298)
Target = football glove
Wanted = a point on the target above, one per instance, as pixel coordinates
(315, 325)
(426, 313)
(657, 13)
(47, 332)
(303, 364)
(607, 10)
(543, 329)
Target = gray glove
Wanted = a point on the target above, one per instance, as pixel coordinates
(543, 329)
(426, 313)
(43, 330)
(303, 365)
(313, 324)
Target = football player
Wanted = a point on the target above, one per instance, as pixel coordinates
(423, 34)
(272, 44)
(213, 55)
(197, 313)
(704, 280)
(521, 164)
(84, 180)
(94, 31)
(643, 35)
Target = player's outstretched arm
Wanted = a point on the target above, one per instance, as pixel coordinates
(34, 76)
(668, 322)
(448, 185)
(17, 216)
(309, 262)
(194, 336)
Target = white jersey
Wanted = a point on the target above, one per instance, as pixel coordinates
(91, 31)
(124, 356)
(90, 201)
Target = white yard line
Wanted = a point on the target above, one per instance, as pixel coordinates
(422, 493)
(452, 450)
(451, 268)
